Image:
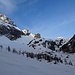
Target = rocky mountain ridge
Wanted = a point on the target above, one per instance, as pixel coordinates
(9, 28)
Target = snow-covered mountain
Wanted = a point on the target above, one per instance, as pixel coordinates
(8, 28)
(54, 44)
(18, 46)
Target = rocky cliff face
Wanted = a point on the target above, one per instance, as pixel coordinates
(7, 20)
(69, 46)
(8, 28)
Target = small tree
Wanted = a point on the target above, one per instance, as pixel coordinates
(70, 63)
(19, 52)
(1, 46)
(23, 53)
(14, 51)
(9, 49)
(65, 61)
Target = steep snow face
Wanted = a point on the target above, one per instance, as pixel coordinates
(13, 64)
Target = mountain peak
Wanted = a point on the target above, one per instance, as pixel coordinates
(5, 19)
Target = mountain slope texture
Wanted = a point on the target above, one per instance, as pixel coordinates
(25, 53)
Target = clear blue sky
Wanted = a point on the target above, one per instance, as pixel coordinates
(50, 18)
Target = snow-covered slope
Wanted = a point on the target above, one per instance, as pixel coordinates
(19, 52)
(54, 44)
(20, 44)
(13, 64)
(41, 53)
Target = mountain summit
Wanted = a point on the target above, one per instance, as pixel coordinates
(7, 20)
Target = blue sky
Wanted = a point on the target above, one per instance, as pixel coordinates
(50, 18)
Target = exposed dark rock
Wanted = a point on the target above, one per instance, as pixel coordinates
(11, 32)
(8, 28)
(69, 46)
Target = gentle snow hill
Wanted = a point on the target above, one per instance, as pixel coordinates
(13, 64)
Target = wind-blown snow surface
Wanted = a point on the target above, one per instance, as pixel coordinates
(13, 64)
